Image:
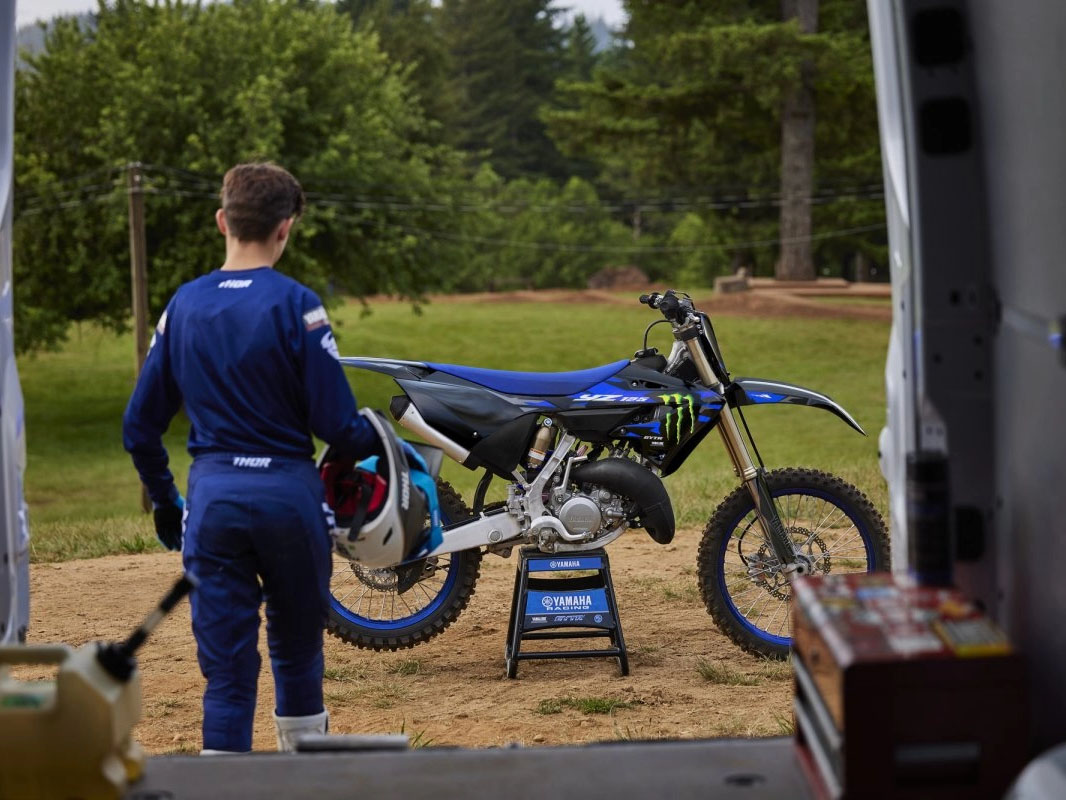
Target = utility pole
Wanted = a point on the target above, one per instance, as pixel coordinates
(138, 262)
(138, 277)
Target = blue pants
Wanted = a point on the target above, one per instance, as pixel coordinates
(254, 533)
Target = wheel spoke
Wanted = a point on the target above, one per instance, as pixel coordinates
(373, 593)
(353, 591)
(782, 607)
(822, 525)
(823, 528)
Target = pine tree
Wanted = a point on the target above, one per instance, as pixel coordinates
(409, 31)
(505, 58)
(580, 56)
(690, 106)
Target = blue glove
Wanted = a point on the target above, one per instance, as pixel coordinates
(168, 519)
(414, 459)
(433, 535)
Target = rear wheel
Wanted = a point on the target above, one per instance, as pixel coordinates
(832, 524)
(398, 607)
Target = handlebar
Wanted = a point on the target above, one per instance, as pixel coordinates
(679, 311)
(674, 307)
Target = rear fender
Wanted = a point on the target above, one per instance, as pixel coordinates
(755, 391)
(387, 366)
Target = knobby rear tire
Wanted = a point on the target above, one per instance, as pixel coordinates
(467, 565)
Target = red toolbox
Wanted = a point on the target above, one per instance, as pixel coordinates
(903, 691)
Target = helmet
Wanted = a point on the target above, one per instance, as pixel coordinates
(380, 504)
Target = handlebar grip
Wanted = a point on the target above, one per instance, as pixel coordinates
(651, 300)
(673, 307)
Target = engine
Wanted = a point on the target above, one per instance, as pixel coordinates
(589, 513)
(640, 495)
(604, 496)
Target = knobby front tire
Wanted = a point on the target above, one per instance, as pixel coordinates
(831, 521)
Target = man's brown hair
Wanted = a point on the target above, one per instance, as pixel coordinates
(257, 197)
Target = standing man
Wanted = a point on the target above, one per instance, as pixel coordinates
(251, 354)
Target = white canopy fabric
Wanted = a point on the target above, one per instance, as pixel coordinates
(14, 527)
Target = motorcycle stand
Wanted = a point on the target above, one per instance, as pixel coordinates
(541, 606)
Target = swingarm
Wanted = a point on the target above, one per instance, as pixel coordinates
(523, 516)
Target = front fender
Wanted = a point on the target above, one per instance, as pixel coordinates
(755, 391)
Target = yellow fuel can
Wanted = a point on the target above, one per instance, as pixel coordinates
(69, 737)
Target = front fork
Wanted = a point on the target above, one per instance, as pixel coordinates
(773, 529)
(754, 479)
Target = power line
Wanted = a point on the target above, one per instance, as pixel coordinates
(716, 189)
(96, 187)
(84, 201)
(750, 245)
(665, 206)
(579, 248)
(92, 173)
(452, 205)
(414, 205)
(179, 193)
(703, 194)
(191, 185)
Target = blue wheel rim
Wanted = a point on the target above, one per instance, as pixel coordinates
(849, 512)
(416, 617)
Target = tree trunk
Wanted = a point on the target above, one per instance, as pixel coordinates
(797, 158)
(863, 268)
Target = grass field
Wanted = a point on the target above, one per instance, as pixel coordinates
(84, 495)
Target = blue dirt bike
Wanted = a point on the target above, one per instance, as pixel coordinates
(583, 454)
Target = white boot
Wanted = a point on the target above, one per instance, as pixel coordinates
(290, 729)
(222, 753)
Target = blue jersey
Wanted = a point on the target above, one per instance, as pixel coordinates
(252, 356)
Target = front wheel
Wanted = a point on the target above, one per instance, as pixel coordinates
(397, 607)
(832, 524)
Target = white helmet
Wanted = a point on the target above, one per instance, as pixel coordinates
(379, 516)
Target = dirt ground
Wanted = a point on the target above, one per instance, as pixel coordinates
(687, 680)
(452, 690)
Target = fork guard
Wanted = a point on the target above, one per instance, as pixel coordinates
(639, 485)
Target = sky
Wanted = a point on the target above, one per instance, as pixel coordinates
(27, 11)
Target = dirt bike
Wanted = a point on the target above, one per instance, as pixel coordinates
(583, 454)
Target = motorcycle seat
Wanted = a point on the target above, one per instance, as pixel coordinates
(535, 384)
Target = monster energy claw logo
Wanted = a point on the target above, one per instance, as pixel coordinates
(684, 416)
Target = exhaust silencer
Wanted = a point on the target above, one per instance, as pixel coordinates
(405, 413)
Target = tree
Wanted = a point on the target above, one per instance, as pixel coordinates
(797, 155)
(530, 234)
(505, 58)
(701, 253)
(690, 107)
(580, 57)
(190, 90)
(410, 32)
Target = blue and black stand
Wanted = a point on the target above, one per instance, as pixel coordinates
(544, 607)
